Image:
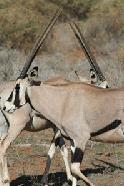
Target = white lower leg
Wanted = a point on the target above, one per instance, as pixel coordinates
(5, 170)
(4, 175)
(51, 151)
(64, 152)
(75, 168)
(74, 181)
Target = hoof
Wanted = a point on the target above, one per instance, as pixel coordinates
(44, 181)
(69, 182)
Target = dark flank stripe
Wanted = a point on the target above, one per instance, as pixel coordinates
(111, 126)
(17, 100)
(77, 157)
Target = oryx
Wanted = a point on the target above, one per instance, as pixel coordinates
(36, 123)
(33, 123)
(81, 111)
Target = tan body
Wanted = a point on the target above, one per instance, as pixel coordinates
(37, 123)
(77, 109)
(78, 103)
(33, 123)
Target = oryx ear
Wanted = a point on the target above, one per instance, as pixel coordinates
(33, 72)
(93, 76)
(32, 76)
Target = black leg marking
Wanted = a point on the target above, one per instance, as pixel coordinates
(59, 142)
(77, 156)
(17, 100)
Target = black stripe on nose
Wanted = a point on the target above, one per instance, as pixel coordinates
(17, 100)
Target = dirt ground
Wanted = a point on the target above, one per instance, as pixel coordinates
(103, 163)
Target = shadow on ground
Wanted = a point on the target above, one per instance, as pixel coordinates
(59, 178)
(54, 179)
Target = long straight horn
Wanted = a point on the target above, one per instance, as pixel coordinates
(38, 44)
(87, 51)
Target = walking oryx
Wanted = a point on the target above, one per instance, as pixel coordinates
(36, 123)
(33, 123)
(79, 110)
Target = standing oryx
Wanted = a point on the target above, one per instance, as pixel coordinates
(33, 123)
(81, 111)
(36, 123)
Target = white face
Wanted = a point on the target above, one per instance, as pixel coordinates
(17, 97)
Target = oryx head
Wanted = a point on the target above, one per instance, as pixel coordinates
(93, 77)
(20, 86)
(18, 96)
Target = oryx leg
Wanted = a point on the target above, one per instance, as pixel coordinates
(4, 172)
(17, 121)
(64, 152)
(76, 159)
(57, 141)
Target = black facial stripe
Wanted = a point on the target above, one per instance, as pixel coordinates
(111, 126)
(10, 97)
(77, 157)
(17, 91)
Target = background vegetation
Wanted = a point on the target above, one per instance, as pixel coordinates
(100, 21)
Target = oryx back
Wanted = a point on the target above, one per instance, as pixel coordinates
(77, 104)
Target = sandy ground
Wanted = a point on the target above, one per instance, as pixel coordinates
(103, 163)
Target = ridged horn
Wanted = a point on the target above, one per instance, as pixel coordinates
(94, 65)
(38, 44)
